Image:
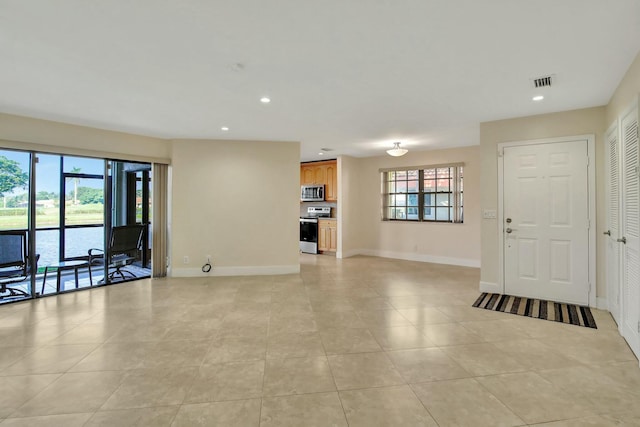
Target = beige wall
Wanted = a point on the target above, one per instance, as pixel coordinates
(431, 242)
(578, 122)
(567, 123)
(42, 135)
(626, 93)
(237, 201)
(349, 207)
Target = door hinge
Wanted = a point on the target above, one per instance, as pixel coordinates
(500, 152)
(588, 161)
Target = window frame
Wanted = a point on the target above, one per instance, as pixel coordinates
(455, 193)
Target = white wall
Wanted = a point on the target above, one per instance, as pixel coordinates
(365, 233)
(237, 201)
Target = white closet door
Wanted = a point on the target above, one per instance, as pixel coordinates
(612, 163)
(631, 230)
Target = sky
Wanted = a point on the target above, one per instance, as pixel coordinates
(48, 169)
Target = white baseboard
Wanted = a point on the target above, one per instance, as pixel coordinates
(492, 288)
(409, 256)
(347, 254)
(602, 304)
(266, 270)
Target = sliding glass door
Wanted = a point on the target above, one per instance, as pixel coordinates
(71, 212)
(82, 213)
(15, 215)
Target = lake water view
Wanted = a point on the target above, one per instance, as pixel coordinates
(78, 241)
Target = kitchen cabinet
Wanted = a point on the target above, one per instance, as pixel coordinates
(327, 235)
(307, 175)
(325, 173)
(320, 174)
(331, 183)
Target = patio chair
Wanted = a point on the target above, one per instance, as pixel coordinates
(14, 262)
(123, 249)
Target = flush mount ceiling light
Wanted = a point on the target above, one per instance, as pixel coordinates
(224, 128)
(538, 98)
(396, 151)
(265, 100)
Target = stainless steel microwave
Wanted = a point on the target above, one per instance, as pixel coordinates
(312, 193)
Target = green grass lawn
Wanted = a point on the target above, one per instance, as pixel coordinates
(16, 218)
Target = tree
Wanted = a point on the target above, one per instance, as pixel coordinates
(88, 195)
(11, 176)
(76, 181)
(46, 195)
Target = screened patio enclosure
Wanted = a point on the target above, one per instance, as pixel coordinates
(76, 212)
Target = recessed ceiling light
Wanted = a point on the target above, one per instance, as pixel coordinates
(538, 98)
(321, 154)
(224, 128)
(265, 100)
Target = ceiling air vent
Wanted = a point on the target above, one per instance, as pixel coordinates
(543, 81)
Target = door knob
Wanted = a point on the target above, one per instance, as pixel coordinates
(508, 220)
(608, 233)
(623, 240)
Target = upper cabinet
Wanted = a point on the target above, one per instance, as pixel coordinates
(331, 186)
(307, 175)
(325, 173)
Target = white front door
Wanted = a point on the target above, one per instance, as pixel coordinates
(612, 196)
(546, 221)
(630, 231)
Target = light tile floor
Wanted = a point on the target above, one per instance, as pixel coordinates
(356, 342)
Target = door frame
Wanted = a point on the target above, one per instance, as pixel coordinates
(591, 174)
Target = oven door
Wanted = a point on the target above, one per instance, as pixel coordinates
(309, 235)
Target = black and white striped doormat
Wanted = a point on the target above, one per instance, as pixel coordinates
(539, 309)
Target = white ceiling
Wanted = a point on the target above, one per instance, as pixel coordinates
(351, 75)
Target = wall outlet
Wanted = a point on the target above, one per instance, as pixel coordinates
(185, 260)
